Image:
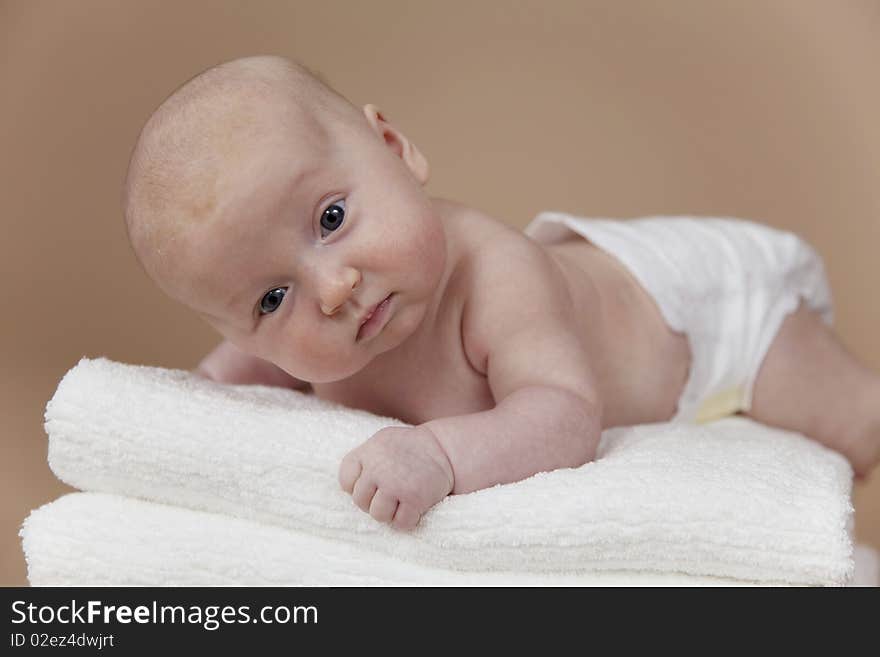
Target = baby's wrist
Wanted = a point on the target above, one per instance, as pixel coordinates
(442, 458)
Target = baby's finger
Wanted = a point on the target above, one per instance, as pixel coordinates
(363, 492)
(406, 516)
(383, 506)
(349, 471)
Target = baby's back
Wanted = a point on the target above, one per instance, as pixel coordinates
(641, 364)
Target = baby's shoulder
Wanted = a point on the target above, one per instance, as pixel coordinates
(495, 257)
(491, 247)
(511, 281)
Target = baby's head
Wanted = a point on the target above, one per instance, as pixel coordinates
(281, 213)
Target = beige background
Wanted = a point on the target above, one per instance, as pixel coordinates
(764, 110)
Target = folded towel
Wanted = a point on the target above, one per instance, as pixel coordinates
(96, 539)
(730, 499)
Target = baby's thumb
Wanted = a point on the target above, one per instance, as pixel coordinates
(349, 471)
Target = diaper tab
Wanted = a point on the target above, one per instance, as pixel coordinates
(727, 402)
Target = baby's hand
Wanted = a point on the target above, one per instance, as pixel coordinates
(397, 475)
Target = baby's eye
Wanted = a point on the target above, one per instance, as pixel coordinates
(332, 217)
(271, 300)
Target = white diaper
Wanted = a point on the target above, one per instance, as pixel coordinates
(727, 284)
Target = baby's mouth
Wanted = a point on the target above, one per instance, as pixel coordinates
(375, 319)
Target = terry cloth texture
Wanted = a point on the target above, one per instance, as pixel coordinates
(96, 539)
(732, 499)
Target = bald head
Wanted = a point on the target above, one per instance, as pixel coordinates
(190, 141)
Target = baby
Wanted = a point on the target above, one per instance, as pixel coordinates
(298, 227)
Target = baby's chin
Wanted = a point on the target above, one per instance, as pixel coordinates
(331, 377)
(350, 367)
(324, 372)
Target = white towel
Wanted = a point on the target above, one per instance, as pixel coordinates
(95, 539)
(732, 499)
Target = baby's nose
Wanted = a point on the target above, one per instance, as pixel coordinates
(337, 289)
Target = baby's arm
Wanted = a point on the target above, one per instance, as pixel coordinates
(229, 364)
(547, 414)
(520, 330)
(537, 428)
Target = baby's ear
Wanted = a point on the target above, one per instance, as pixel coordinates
(398, 143)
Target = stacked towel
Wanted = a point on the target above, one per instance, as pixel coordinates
(732, 500)
(96, 539)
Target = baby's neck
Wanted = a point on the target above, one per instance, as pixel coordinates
(452, 218)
